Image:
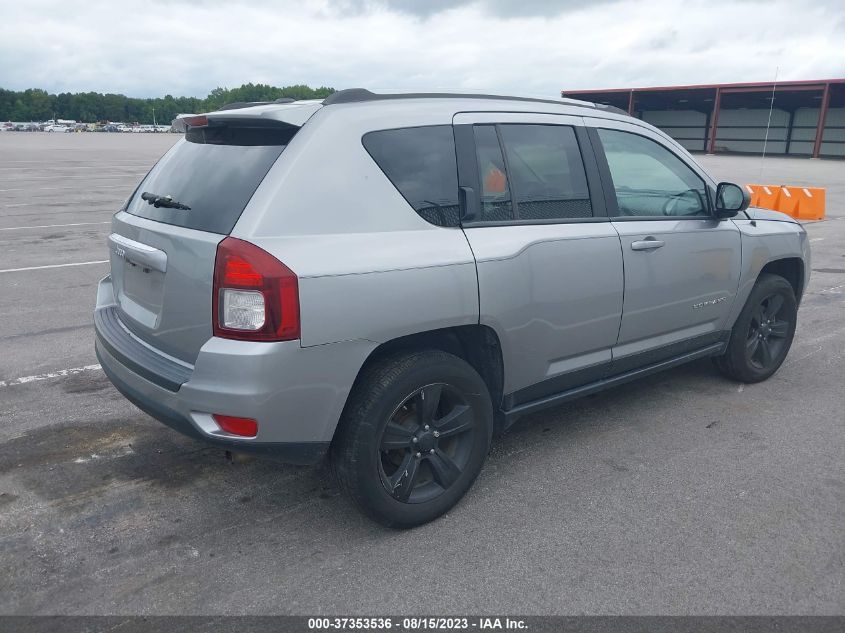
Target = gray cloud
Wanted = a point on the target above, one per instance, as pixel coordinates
(498, 8)
(188, 47)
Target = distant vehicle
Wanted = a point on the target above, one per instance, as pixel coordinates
(57, 128)
(488, 257)
(65, 122)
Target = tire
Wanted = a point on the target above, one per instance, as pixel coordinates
(402, 461)
(763, 332)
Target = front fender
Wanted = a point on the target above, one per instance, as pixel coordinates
(764, 242)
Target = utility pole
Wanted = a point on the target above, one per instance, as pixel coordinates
(154, 117)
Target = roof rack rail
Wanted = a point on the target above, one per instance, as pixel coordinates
(284, 100)
(610, 108)
(360, 95)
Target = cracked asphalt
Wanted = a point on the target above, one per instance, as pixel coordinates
(683, 493)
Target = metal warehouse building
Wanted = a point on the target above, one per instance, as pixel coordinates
(807, 117)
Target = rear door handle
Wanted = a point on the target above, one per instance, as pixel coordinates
(648, 244)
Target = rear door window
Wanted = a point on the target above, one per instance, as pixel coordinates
(546, 172)
(421, 164)
(215, 171)
(530, 173)
(496, 203)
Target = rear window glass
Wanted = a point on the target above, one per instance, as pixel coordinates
(214, 171)
(421, 164)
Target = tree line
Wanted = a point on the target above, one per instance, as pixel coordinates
(35, 104)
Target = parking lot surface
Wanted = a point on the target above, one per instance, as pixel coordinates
(683, 493)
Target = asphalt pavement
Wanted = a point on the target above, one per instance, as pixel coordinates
(683, 493)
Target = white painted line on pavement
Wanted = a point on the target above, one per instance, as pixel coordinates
(81, 189)
(98, 177)
(75, 160)
(53, 226)
(53, 374)
(834, 289)
(19, 270)
(45, 170)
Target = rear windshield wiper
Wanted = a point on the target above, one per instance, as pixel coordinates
(164, 201)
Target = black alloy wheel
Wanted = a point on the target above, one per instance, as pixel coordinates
(413, 436)
(767, 332)
(763, 332)
(426, 443)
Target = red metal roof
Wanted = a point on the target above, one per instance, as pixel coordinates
(761, 85)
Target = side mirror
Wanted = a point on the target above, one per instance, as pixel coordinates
(730, 200)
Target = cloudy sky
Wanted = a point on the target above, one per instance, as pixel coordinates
(532, 47)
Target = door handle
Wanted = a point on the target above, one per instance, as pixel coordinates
(648, 244)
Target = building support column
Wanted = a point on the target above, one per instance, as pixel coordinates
(822, 116)
(631, 103)
(714, 121)
(789, 131)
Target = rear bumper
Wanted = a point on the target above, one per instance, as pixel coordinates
(295, 394)
(290, 452)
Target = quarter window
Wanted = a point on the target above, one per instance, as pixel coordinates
(421, 164)
(649, 180)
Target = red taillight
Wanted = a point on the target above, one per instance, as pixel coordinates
(241, 266)
(245, 427)
(239, 273)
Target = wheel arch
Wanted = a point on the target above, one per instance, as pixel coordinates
(791, 269)
(770, 248)
(478, 345)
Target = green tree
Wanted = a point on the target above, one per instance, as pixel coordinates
(35, 104)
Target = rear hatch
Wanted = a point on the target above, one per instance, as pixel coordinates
(164, 242)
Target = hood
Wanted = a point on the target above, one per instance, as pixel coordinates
(767, 214)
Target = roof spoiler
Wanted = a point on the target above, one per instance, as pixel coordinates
(236, 105)
(179, 124)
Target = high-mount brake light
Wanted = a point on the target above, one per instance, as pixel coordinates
(255, 296)
(196, 121)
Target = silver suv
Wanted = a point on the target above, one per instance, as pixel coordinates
(392, 279)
